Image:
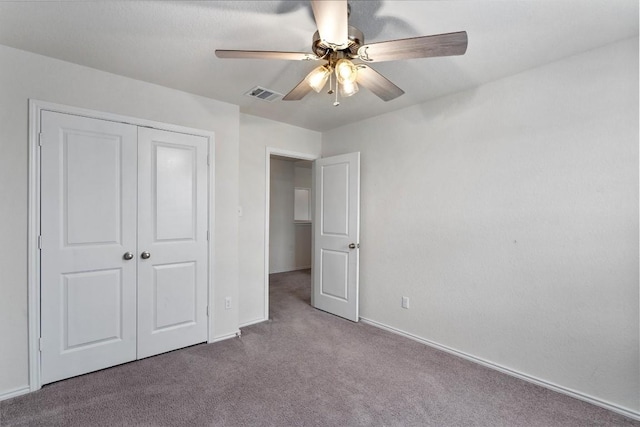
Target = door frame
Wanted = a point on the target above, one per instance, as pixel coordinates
(267, 212)
(33, 225)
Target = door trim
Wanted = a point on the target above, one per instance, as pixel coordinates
(267, 199)
(33, 220)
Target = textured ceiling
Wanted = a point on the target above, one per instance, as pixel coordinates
(171, 43)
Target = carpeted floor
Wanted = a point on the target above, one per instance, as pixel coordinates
(303, 368)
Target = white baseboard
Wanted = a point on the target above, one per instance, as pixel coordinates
(252, 322)
(225, 337)
(290, 270)
(551, 386)
(15, 393)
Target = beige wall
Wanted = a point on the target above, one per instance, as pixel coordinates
(25, 75)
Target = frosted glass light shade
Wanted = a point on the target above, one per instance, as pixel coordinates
(346, 71)
(348, 88)
(318, 78)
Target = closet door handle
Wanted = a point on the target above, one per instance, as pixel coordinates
(128, 256)
(145, 255)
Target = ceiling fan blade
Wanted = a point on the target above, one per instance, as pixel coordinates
(332, 22)
(265, 54)
(377, 83)
(298, 92)
(417, 47)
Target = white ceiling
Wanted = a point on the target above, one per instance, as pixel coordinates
(171, 43)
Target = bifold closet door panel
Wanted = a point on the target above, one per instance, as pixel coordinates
(172, 240)
(88, 224)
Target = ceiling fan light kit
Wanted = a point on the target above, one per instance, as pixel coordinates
(340, 44)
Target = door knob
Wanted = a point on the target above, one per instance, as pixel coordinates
(128, 256)
(353, 246)
(145, 255)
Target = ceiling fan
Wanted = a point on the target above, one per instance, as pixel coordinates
(341, 47)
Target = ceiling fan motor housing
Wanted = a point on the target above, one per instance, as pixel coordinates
(356, 39)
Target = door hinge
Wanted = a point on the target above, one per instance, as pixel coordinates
(40, 344)
(207, 311)
(208, 159)
(40, 139)
(208, 235)
(40, 241)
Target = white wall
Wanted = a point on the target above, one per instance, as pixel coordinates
(289, 242)
(303, 242)
(282, 238)
(302, 174)
(25, 75)
(256, 134)
(509, 215)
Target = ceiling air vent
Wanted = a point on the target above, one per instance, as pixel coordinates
(264, 94)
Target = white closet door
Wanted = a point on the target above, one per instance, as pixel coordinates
(172, 231)
(88, 223)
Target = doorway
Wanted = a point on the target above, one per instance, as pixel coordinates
(288, 231)
(289, 216)
(335, 207)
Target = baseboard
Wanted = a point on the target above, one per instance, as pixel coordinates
(15, 393)
(225, 337)
(294, 269)
(551, 386)
(252, 322)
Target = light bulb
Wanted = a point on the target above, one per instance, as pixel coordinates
(318, 78)
(346, 71)
(348, 88)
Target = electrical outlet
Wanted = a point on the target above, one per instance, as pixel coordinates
(227, 303)
(405, 302)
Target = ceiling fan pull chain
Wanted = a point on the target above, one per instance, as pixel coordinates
(336, 102)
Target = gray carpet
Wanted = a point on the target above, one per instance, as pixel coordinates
(303, 368)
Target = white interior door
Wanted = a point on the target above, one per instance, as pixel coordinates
(88, 223)
(172, 241)
(336, 235)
